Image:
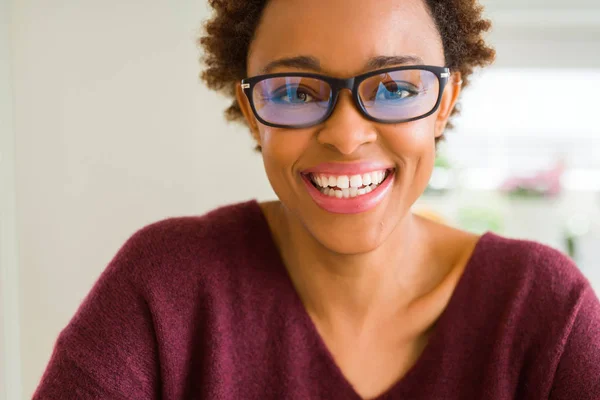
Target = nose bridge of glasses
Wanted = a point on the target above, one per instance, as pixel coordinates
(337, 85)
(352, 100)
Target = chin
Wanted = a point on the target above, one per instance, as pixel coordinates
(354, 234)
(347, 233)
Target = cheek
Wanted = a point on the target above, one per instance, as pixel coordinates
(281, 148)
(413, 144)
(411, 140)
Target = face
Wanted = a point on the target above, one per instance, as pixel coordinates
(344, 37)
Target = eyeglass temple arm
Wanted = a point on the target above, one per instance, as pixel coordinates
(448, 74)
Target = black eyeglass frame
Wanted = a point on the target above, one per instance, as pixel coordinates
(442, 73)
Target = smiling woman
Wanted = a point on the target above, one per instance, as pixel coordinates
(336, 290)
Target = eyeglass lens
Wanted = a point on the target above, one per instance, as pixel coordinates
(392, 96)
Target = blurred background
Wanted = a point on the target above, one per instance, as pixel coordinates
(105, 127)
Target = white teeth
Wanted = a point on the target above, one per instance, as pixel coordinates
(332, 181)
(356, 181)
(348, 182)
(374, 177)
(343, 182)
(366, 179)
(348, 193)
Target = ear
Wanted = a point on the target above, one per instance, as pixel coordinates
(247, 111)
(448, 102)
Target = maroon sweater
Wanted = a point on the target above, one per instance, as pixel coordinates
(203, 308)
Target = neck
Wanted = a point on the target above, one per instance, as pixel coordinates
(357, 287)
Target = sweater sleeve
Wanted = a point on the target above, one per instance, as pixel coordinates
(108, 349)
(578, 372)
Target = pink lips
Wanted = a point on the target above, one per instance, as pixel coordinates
(351, 205)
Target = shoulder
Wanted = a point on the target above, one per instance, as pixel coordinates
(530, 300)
(188, 246)
(535, 265)
(148, 293)
(528, 285)
(214, 226)
(552, 311)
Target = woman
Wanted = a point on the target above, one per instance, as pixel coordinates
(336, 291)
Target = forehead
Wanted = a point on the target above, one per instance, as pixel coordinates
(344, 34)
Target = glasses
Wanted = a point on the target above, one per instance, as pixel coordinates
(390, 96)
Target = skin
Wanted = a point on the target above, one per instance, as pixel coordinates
(373, 283)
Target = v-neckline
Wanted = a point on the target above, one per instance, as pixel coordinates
(434, 344)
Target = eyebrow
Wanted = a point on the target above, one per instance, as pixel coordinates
(313, 64)
(389, 61)
(299, 62)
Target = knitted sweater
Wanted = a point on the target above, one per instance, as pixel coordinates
(203, 308)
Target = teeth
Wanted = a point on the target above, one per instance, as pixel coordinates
(356, 181)
(348, 182)
(343, 182)
(366, 179)
(347, 193)
(375, 177)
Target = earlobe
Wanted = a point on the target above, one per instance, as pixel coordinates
(244, 104)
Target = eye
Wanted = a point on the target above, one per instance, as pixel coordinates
(292, 95)
(395, 91)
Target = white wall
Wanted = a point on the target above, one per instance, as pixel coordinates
(545, 33)
(114, 130)
(10, 381)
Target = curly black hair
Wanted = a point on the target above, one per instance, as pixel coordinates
(229, 32)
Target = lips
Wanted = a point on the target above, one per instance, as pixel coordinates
(348, 188)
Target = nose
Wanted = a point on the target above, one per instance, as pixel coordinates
(346, 130)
